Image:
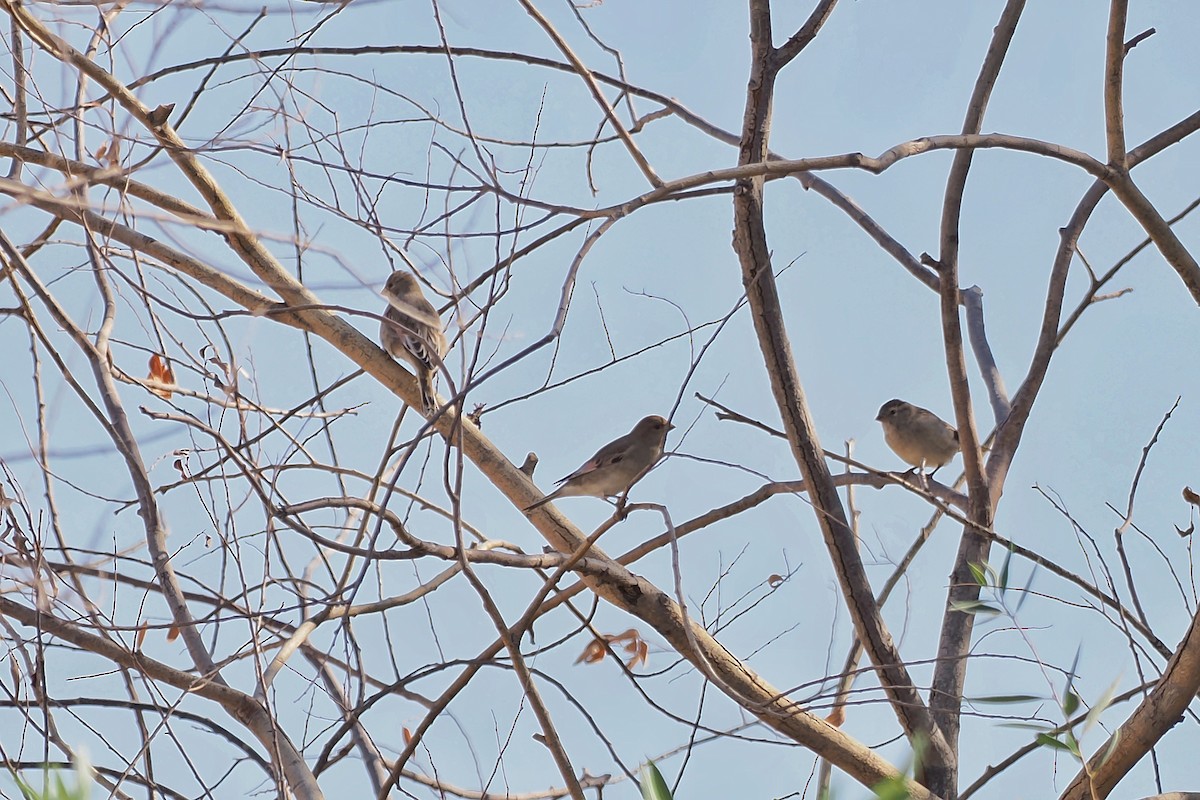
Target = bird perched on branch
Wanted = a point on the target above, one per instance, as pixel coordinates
(412, 330)
(917, 435)
(614, 467)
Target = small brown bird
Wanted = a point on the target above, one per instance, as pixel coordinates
(615, 467)
(412, 330)
(917, 435)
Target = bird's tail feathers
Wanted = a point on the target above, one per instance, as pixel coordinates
(542, 502)
(428, 395)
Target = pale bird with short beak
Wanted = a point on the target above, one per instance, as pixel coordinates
(411, 330)
(616, 466)
(917, 435)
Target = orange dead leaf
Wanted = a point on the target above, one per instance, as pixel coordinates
(407, 737)
(775, 580)
(630, 641)
(1191, 496)
(173, 633)
(161, 372)
(641, 654)
(110, 151)
(592, 653)
(141, 636)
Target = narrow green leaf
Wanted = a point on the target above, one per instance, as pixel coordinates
(27, 791)
(1071, 673)
(1025, 592)
(973, 607)
(1005, 698)
(1100, 705)
(1002, 581)
(1023, 726)
(1112, 746)
(1046, 740)
(894, 788)
(977, 572)
(1071, 703)
(653, 785)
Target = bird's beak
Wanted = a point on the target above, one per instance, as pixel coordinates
(879, 417)
(670, 427)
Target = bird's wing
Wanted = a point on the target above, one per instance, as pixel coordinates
(606, 456)
(414, 336)
(414, 307)
(420, 349)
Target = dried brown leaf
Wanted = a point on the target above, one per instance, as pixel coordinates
(592, 653)
(161, 372)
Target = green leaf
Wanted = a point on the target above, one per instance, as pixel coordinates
(1025, 592)
(1005, 698)
(1070, 703)
(1002, 581)
(979, 573)
(973, 607)
(1023, 726)
(27, 791)
(1071, 673)
(1112, 746)
(1046, 740)
(1098, 708)
(894, 788)
(653, 785)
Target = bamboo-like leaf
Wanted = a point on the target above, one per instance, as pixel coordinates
(1112, 746)
(1002, 581)
(1100, 705)
(1025, 592)
(973, 607)
(894, 788)
(1046, 740)
(1005, 698)
(654, 787)
(1024, 726)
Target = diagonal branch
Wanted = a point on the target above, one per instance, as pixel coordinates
(1158, 712)
(954, 642)
(750, 243)
(602, 101)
